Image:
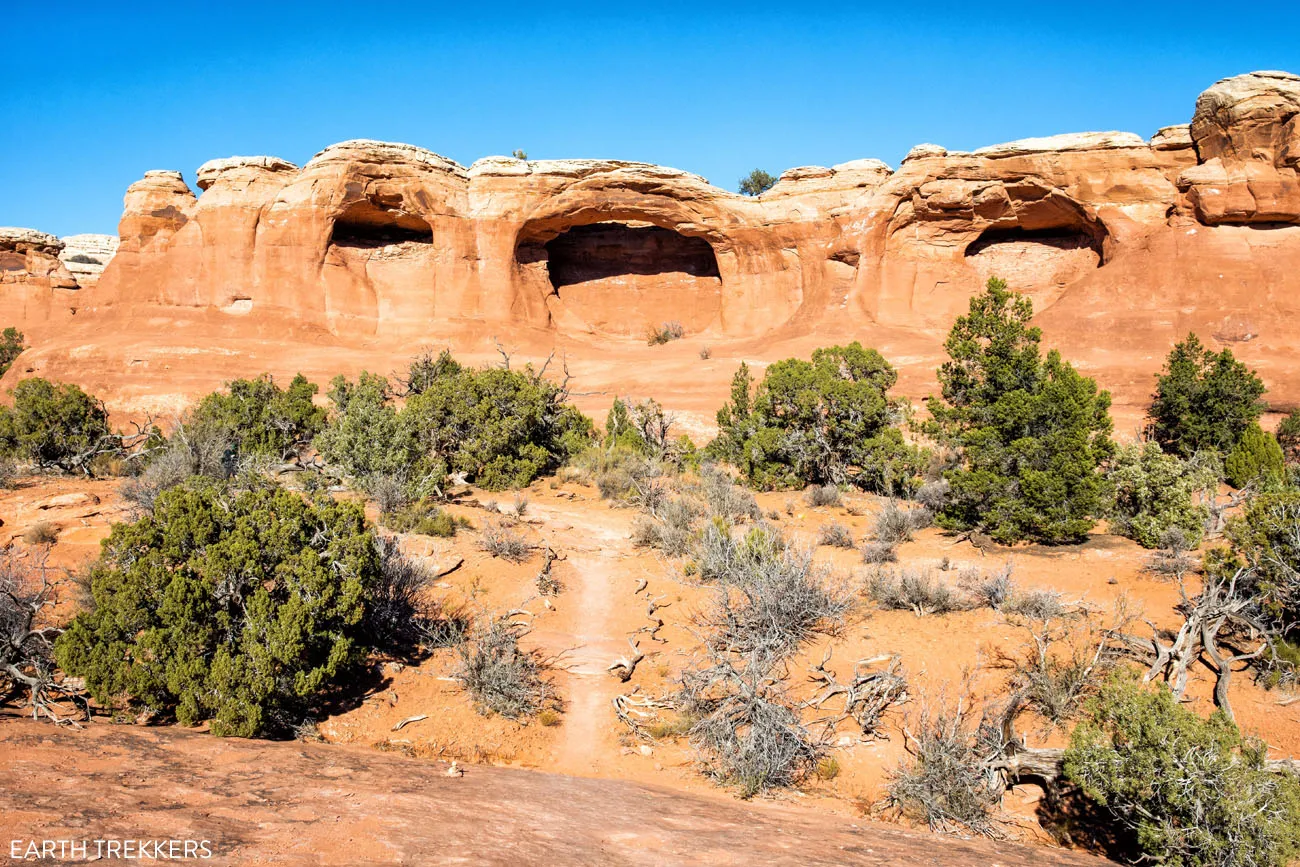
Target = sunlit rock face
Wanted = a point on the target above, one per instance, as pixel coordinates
(373, 249)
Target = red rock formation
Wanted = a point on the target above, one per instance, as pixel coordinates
(373, 249)
(37, 289)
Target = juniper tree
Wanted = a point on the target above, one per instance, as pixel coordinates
(237, 607)
(825, 421)
(1031, 432)
(11, 346)
(1204, 400)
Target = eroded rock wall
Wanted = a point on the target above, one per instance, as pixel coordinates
(373, 248)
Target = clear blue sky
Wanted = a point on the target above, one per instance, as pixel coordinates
(96, 95)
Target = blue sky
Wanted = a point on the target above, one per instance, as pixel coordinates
(95, 96)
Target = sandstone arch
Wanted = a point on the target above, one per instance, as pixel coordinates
(373, 222)
(621, 276)
(377, 250)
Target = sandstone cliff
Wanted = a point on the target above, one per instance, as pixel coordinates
(373, 249)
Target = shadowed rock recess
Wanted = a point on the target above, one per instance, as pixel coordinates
(372, 250)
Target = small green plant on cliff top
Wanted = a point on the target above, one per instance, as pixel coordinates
(756, 183)
(1204, 400)
(1189, 791)
(825, 421)
(237, 607)
(1030, 431)
(11, 346)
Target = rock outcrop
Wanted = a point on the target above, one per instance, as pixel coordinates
(36, 288)
(86, 256)
(1247, 135)
(374, 249)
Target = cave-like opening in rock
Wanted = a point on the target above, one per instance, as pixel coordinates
(1038, 262)
(600, 251)
(369, 224)
(1063, 240)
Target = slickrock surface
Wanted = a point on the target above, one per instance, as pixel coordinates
(292, 803)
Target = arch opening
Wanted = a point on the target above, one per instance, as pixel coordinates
(623, 277)
(369, 224)
(609, 251)
(1038, 262)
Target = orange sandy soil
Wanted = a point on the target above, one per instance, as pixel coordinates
(599, 608)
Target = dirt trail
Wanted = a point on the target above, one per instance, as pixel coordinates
(587, 622)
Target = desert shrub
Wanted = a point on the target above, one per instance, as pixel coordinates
(772, 600)
(917, 590)
(1266, 537)
(722, 557)
(988, 589)
(724, 499)
(8, 471)
(1171, 557)
(835, 534)
(425, 370)
(946, 782)
(41, 533)
(11, 346)
(879, 552)
(367, 438)
(825, 421)
(705, 353)
(27, 666)
(193, 449)
(1279, 664)
(260, 417)
(756, 183)
(933, 495)
(670, 528)
(499, 428)
(400, 616)
(746, 731)
(827, 769)
(1057, 670)
(391, 493)
(424, 518)
(920, 517)
(502, 540)
(665, 332)
(641, 427)
(819, 496)
(1204, 401)
(1288, 436)
(892, 524)
(1189, 791)
(1155, 492)
(1030, 431)
(237, 607)
(501, 677)
(1036, 604)
(54, 426)
(1256, 458)
(624, 476)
